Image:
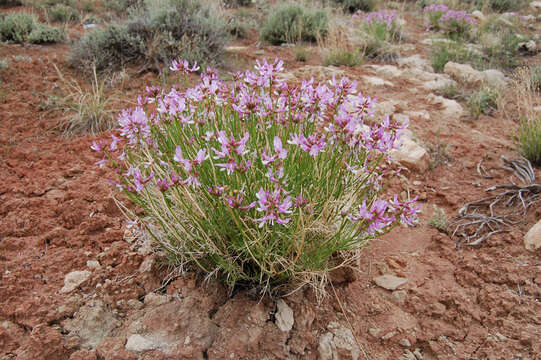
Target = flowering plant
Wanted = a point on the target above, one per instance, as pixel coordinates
(382, 24)
(254, 180)
(455, 23)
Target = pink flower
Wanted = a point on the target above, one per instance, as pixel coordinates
(183, 66)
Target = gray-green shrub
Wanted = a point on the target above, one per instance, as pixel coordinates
(292, 23)
(156, 33)
(16, 26)
(45, 34)
(356, 5)
(529, 139)
(62, 13)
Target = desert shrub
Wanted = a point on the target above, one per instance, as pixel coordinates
(86, 110)
(443, 52)
(529, 139)
(343, 58)
(45, 34)
(107, 48)
(16, 26)
(291, 23)
(255, 182)
(155, 34)
(535, 78)
(122, 7)
(301, 54)
(238, 28)
(62, 13)
(235, 3)
(356, 5)
(9, 3)
(439, 220)
(484, 101)
(498, 5)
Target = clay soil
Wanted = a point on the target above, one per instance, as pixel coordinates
(57, 213)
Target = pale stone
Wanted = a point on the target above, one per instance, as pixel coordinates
(536, 5)
(528, 46)
(139, 343)
(450, 108)
(390, 282)
(494, 78)
(236, 49)
(317, 72)
(411, 155)
(153, 299)
(478, 15)
(326, 347)
(284, 316)
(386, 71)
(94, 264)
(73, 280)
(404, 342)
(374, 332)
(463, 73)
(376, 81)
(532, 239)
(415, 61)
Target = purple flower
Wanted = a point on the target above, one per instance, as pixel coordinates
(97, 145)
(229, 166)
(273, 206)
(183, 66)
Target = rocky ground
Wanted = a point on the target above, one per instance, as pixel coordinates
(76, 284)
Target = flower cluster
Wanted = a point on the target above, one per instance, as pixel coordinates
(455, 23)
(254, 178)
(382, 24)
(384, 16)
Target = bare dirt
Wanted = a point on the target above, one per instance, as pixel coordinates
(57, 215)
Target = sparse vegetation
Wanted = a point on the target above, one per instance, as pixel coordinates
(484, 101)
(535, 78)
(301, 54)
(16, 26)
(62, 13)
(155, 34)
(343, 58)
(529, 139)
(439, 219)
(443, 52)
(45, 34)
(291, 23)
(86, 111)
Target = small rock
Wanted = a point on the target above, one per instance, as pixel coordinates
(134, 304)
(374, 332)
(153, 299)
(89, 26)
(376, 81)
(139, 343)
(73, 280)
(284, 316)
(536, 5)
(404, 342)
(259, 52)
(390, 282)
(450, 108)
(494, 78)
(236, 49)
(411, 154)
(463, 73)
(399, 297)
(93, 264)
(418, 354)
(529, 47)
(326, 347)
(478, 15)
(386, 71)
(415, 61)
(389, 335)
(408, 355)
(146, 265)
(532, 239)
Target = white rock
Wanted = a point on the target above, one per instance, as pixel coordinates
(386, 71)
(404, 342)
(537, 109)
(94, 264)
(532, 239)
(528, 46)
(437, 84)
(376, 81)
(284, 316)
(419, 114)
(73, 280)
(478, 15)
(450, 108)
(536, 5)
(236, 49)
(153, 299)
(463, 73)
(390, 282)
(139, 343)
(494, 78)
(411, 154)
(326, 347)
(415, 61)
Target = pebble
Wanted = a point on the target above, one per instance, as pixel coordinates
(390, 282)
(405, 342)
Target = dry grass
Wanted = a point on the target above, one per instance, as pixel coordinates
(87, 111)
